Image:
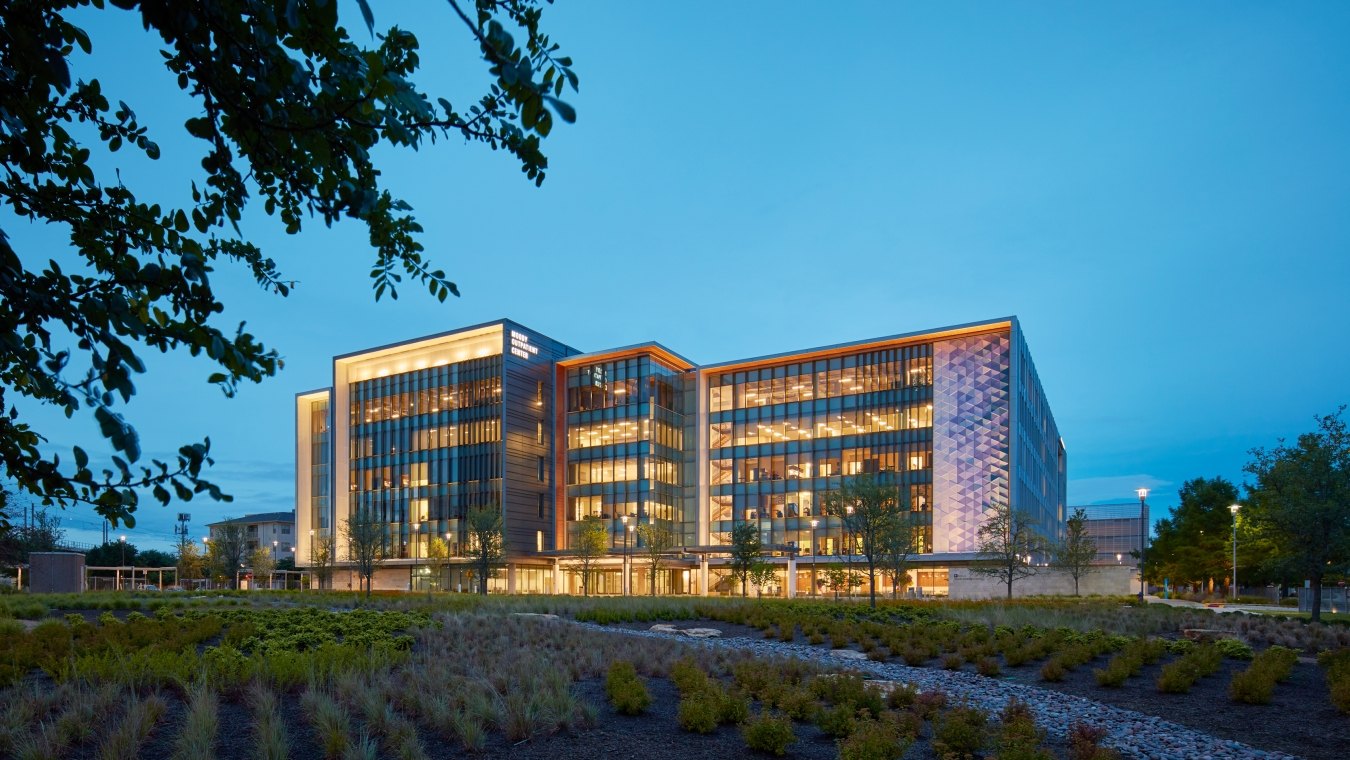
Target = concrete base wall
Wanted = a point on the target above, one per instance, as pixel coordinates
(1107, 580)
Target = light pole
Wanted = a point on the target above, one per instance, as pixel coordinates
(311, 558)
(122, 540)
(1143, 537)
(271, 577)
(629, 549)
(814, 588)
(412, 539)
(623, 583)
(1234, 509)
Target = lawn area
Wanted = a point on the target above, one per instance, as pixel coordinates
(332, 675)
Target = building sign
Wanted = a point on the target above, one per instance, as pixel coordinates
(521, 346)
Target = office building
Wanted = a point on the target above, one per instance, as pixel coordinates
(421, 432)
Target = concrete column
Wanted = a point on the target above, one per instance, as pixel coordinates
(702, 575)
(791, 577)
(557, 577)
(510, 579)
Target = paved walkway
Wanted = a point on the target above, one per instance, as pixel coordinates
(1264, 608)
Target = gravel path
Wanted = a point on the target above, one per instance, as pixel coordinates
(1133, 734)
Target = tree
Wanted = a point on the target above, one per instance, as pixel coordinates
(1007, 542)
(42, 533)
(762, 574)
(292, 111)
(487, 546)
(1191, 545)
(260, 563)
(1076, 553)
(438, 557)
(746, 550)
(227, 550)
(155, 558)
(367, 542)
(590, 542)
(896, 543)
(868, 507)
(839, 578)
(1300, 501)
(111, 554)
(322, 556)
(190, 562)
(657, 540)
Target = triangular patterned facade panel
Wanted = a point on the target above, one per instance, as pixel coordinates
(971, 421)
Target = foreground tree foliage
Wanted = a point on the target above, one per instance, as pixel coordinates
(292, 108)
(1300, 501)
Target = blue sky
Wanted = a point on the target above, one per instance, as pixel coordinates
(1158, 191)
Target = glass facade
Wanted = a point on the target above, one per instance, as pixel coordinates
(320, 475)
(782, 436)
(627, 423)
(424, 447)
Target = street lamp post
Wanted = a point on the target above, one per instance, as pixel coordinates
(206, 549)
(623, 583)
(311, 558)
(629, 532)
(1143, 537)
(1234, 509)
(122, 540)
(271, 577)
(814, 587)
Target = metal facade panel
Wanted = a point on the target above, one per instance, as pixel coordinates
(971, 420)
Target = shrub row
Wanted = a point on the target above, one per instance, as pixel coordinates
(1256, 684)
(1180, 675)
(1337, 666)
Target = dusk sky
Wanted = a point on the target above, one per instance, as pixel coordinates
(1159, 191)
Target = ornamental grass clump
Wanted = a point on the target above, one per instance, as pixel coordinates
(769, 733)
(1129, 661)
(197, 739)
(1256, 684)
(626, 690)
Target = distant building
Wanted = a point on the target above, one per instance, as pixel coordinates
(267, 530)
(1115, 529)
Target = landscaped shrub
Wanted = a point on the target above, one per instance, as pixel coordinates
(837, 721)
(928, 703)
(876, 740)
(988, 666)
(1085, 743)
(625, 689)
(1256, 684)
(1178, 676)
(953, 661)
(849, 689)
(1234, 649)
(796, 702)
(960, 733)
(1337, 667)
(734, 707)
(1018, 736)
(901, 696)
(699, 712)
(769, 733)
(688, 676)
(1053, 670)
